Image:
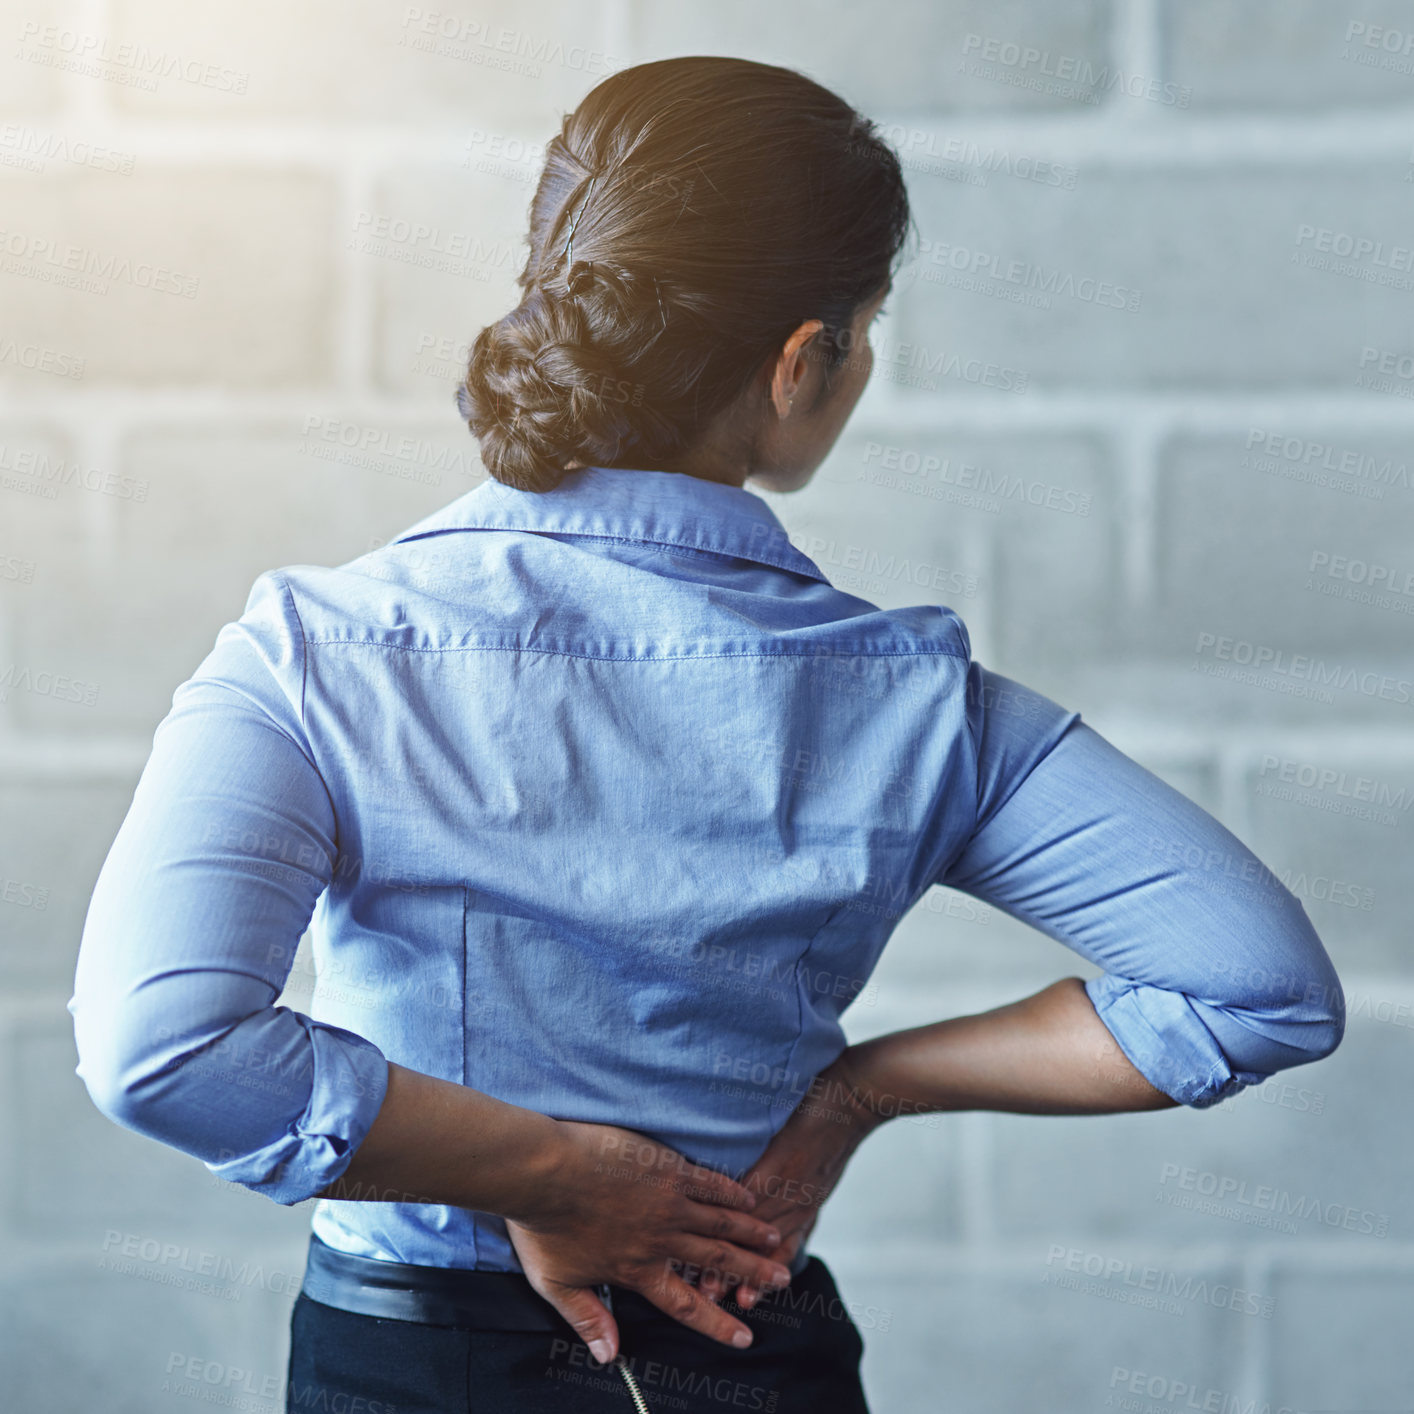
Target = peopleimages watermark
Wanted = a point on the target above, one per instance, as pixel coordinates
(1160, 1289)
(946, 262)
(22, 895)
(29, 148)
(1261, 1204)
(743, 1077)
(39, 359)
(1379, 46)
(1321, 888)
(1166, 1392)
(429, 247)
(921, 150)
(1361, 581)
(134, 64)
(180, 1265)
(503, 155)
(916, 366)
(1281, 1093)
(41, 257)
(334, 980)
(405, 456)
(1356, 257)
(1385, 371)
(1296, 673)
(811, 769)
(1326, 788)
(440, 355)
(866, 559)
(779, 977)
(1320, 464)
(462, 37)
(46, 684)
(963, 483)
(581, 1369)
(16, 569)
(1217, 867)
(233, 1386)
(1063, 75)
(42, 474)
(300, 859)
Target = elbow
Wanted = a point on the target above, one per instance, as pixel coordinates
(1327, 1031)
(1303, 1023)
(115, 1078)
(1317, 1021)
(122, 1065)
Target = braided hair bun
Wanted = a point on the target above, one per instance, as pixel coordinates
(545, 385)
(691, 214)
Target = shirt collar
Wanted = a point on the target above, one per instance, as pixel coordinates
(655, 507)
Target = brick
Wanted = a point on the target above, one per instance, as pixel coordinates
(219, 508)
(1323, 548)
(881, 546)
(903, 1179)
(41, 536)
(365, 61)
(227, 273)
(1044, 508)
(1365, 921)
(1341, 1338)
(1289, 53)
(949, 936)
(954, 57)
(78, 1174)
(1286, 1166)
(53, 840)
(1185, 241)
(131, 1332)
(442, 248)
(968, 1333)
(1056, 567)
(29, 84)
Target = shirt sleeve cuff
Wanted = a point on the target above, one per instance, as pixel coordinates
(350, 1080)
(1166, 1041)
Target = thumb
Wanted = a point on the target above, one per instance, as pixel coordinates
(590, 1318)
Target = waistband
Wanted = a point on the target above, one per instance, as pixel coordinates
(437, 1296)
(456, 1296)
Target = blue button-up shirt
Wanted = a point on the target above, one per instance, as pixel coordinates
(605, 802)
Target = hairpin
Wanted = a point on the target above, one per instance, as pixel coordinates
(569, 239)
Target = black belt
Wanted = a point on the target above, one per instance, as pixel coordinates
(455, 1296)
(437, 1296)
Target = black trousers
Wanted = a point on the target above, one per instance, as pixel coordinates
(804, 1360)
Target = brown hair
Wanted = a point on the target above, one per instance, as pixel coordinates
(712, 205)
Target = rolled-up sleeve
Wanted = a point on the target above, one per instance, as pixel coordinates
(1214, 977)
(193, 924)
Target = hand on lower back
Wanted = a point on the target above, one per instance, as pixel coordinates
(627, 1210)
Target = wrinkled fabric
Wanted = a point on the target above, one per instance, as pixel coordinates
(604, 801)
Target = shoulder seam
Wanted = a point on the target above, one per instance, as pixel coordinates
(289, 597)
(932, 651)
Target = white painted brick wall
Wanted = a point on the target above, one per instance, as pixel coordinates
(173, 447)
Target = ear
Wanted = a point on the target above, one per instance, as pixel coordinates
(791, 366)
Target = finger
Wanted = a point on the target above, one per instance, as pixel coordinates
(746, 1296)
(672, 1295)
(588, 1315)
(726, 1225)
(730, 1266)
(709, 1186)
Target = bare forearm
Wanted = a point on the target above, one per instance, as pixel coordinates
(434, 1141)
(1045, 1054)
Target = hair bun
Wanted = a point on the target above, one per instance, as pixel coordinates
(580, 277)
